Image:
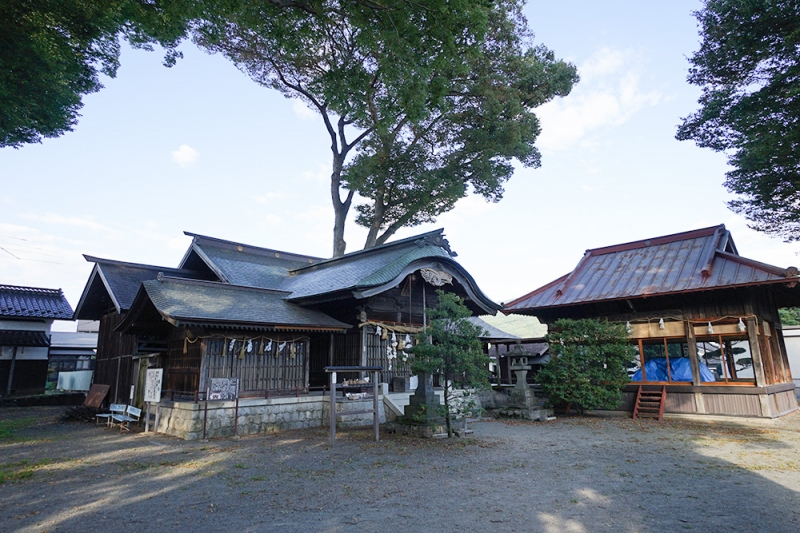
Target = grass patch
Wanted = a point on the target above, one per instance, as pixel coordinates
(7, 427)
(21, 470)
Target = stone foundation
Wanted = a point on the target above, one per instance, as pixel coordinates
(185, 419)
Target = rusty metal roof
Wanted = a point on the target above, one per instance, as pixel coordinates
(691, 261)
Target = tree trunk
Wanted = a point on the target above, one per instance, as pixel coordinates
(377, 219)
(340, 208)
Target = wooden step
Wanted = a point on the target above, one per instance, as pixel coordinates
(650, 404)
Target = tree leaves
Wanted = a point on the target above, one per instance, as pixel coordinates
(588, 364)
(748, 66)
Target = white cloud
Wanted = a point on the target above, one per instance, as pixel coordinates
(185, 155)
(322, 175)
(268, 197)
(79, 222)
(608, 94)
(302, 111)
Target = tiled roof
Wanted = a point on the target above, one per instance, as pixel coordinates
(684, 262)
(15, 337)
(360, 270)
(117, 282)
(242, 264)
(124, 279)
(308, 277)
(32, 302)
(184, 301)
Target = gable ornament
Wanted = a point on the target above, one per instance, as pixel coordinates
(437, 278)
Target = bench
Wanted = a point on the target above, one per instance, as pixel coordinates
(132, 414)
(115, 409)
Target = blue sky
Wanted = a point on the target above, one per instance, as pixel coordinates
(199, 147)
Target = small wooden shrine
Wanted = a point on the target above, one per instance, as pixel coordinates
(704, 319)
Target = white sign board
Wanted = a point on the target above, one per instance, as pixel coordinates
(152, 385)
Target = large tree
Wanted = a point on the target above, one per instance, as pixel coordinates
(52, 52)
(748, 67)
(430, 97)
(412, 171)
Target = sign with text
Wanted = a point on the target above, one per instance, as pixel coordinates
(152, 385)
(223, 389)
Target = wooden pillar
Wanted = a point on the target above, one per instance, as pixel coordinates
(755, 352)
(693, 359)
(11, 371)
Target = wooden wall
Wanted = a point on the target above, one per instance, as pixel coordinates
(114, 365)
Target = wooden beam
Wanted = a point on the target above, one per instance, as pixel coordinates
(755, 352)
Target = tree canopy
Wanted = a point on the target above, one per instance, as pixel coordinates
(748, 68)
(53, 51)
(425, 98)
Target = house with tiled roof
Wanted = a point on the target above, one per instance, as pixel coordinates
(273, 319)
(26, 315)
(704, 320)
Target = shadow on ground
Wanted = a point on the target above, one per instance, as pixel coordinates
(571, 475)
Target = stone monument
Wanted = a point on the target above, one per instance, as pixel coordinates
(522, 402)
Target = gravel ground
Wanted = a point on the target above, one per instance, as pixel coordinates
(571, 475)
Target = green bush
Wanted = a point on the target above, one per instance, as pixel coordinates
(588, 364)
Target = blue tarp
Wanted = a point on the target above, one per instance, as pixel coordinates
(679, 367)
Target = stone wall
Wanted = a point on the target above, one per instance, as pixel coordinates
(185, 419)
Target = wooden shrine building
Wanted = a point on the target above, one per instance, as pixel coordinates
(273, 319)
(704, 319)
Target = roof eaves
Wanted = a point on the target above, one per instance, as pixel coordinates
(507, 306)
(113, 296)
(207, 260)
(785, 272)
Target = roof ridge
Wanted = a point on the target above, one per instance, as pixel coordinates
(93, 259)
(441, 242)
(184, 281)
(655, 241)
(34, 290)
(250, 247)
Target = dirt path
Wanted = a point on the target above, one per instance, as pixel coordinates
(571, 475)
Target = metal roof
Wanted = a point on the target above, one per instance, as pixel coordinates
(33, 302)
(691, 261)
(187, 301)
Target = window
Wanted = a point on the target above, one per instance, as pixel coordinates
(665, 360)
(725, 359)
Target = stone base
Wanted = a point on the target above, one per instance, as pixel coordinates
(426, 431)
(533, 413)
(185, 419)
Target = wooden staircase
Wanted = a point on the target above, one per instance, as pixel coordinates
(650, 403)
